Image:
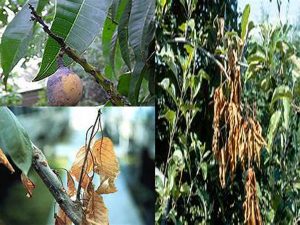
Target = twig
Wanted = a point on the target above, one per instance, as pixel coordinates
(208, 54)
(211, 56)
(86, 155)
(72, 209)
(115, 97)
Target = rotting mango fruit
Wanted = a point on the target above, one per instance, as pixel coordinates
(64, 88)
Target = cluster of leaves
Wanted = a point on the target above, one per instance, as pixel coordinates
(126, 27)
(274, 70)
(99, 159)
(191, 62)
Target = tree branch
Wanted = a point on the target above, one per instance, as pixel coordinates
(115, 97)
(72, 209)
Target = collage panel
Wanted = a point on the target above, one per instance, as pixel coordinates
(77, 115)
(77, 53)
(134, 112)
(228, 124)
(47, 151)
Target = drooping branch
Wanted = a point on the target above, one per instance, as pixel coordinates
(115, 97)
(72, 209)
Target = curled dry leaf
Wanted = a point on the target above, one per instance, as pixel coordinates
(96, 212)
(107, 186)
(28, 184)
(251, 208)
(71, 185)
(62, 219)
(77, 167)
(5, 162)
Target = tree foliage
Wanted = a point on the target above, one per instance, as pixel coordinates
(195, 40)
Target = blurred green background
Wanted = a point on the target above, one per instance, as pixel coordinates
(60, 132)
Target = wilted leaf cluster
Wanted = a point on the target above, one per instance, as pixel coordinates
(101, 160)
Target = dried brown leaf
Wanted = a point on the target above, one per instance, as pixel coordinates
(62, 218)
(28, 184)
(71, 185)
(5, 162)
(88, 192)
(106, 163)
(107, 186)
(96, 212)
(77, 167)
(250, 205)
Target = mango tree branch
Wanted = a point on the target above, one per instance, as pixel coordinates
(72, 209)
(115, 97)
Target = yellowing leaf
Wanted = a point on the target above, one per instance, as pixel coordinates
(96, 213)
(71, 185)
(77, 167)
(5, 162)
(28, 184)
(106, 163)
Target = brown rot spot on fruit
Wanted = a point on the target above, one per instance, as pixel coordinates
(64, 88)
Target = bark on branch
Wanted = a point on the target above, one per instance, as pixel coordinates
(115, 97)
(72, 209)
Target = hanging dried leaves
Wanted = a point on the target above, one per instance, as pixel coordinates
(5, 162)
(28, 184)
(236, 137)
(96, 157)
(251, 208)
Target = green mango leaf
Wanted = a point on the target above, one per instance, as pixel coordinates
(107, 35)
(3, 16)
(77, 23)
(135, 82)
(244, 23)
(115, 57)
(14, 140)
(140, 27)
(141, 31)
(41, 5)
(280, 93)
(273, 126)
(110, 46)
(123, 34)
(15, 39)
(123, 84)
